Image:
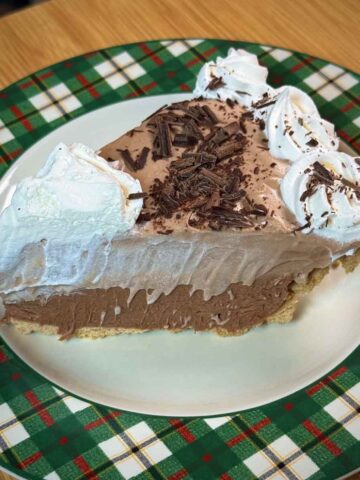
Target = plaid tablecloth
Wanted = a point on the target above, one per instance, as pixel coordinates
(47, 433)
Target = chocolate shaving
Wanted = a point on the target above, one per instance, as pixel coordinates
(164, 139)
(298, 229)
(215, 83)
(242, 125)
(264, 105)
(183, 163)
(192, 129)
(259, 210)
(128, 160)
(135, 196)
(212, 177)
(262, 124)
(234, 196)
(306, 193)
(230, 148)
(214, 200)
(230, 102)
(240, 92)
(312, 142)
(144, 217)
(209, 114)
(183, 140)
(349, 184)
(322, 174)
(142, 158)
(231, 218)
(220, 136)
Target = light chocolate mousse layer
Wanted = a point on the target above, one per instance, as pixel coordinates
(214, 247)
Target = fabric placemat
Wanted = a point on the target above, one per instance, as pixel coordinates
(48, 433)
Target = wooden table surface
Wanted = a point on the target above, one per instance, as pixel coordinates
(57, 29)
(52, 31)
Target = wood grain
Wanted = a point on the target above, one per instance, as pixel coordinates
(58, 29)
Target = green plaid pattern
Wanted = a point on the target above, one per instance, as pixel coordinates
(47, 433)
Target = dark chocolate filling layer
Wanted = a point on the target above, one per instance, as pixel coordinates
(239, 307)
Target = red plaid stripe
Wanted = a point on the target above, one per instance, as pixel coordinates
(30, 460)
(326, 381)
(85, 468)
(150, 54)
(196, 60)
(314, 430)
(302, 64)
(179, 475)
(11, 156)
(85, 83)
(183, 430)
(145, 88)
(36, 404)
(101, 421)
(246, 434)
(20, 116)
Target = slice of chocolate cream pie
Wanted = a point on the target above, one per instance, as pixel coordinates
(216, 213)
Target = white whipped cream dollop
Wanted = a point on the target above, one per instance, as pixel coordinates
(73, 204)
(294, 126)
(322, 190)
(241, 78)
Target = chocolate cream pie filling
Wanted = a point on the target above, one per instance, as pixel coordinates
(214, 247)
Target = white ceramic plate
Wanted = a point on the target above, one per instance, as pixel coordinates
(187, 374)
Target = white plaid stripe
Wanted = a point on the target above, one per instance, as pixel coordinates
(119, 69)
(135, 450)
(73, 404)
(346, 410)
(329, 92)
(55, 102)
(5, 134)
(217, 422)
(52, 476)
(333, 81)
(315, 80)
(280, 55)
(178, 47)
(282, 457)
(330, 81)
(12, 431)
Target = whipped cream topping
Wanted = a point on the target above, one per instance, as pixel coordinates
(294, 126)
(322, 190)
(240, 78)
(75, 203)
